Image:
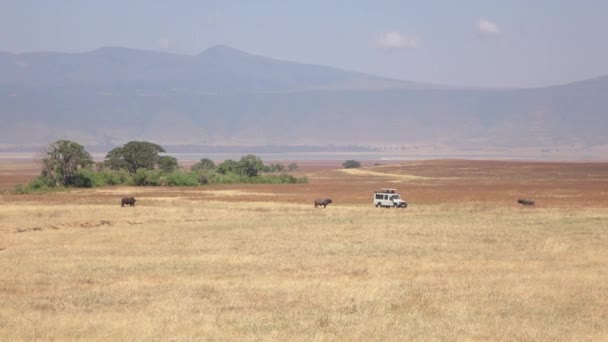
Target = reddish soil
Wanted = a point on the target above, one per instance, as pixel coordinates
(16, 171)
(448, 181)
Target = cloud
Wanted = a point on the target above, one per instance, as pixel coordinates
(394, 40)
(487, 28)
(163, 43)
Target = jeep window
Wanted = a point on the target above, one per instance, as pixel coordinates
(379, 196)
(394, 197)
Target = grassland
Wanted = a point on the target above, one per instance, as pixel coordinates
(258, 262)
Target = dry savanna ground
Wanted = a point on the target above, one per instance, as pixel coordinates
(258, 262)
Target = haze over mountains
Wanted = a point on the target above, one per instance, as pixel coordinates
(224, 96)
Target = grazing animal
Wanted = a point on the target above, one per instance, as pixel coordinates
(127, 200)
(525, 202)
(323, 203)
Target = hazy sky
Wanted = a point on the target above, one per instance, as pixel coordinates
(466, 42)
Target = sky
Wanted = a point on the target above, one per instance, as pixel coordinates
(508, 43)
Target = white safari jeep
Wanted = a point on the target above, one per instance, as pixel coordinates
(388, 198)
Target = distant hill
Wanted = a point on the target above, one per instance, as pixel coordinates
(224, 96)
(218, 69)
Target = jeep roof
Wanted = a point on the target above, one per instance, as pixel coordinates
(388, 191)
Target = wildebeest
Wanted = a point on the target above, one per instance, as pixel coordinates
(323, 202)
(526, 202)
(127, 200)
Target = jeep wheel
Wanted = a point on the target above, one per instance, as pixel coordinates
(378, 205)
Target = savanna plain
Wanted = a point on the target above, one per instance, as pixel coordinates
(258, 262)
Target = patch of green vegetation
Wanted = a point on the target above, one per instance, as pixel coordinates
(139, 164)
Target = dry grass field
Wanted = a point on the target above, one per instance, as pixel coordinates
(259, 262)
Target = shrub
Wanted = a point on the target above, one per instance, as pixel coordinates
(21, 190)
(275, 179)
(235, 178)
(85, 178)
(80, 180)
(292, 167)
(351, 164)
(204, 176)
(41, 183)
(181, 178)
(143, 177)
(229, 178)
(111, 177)
(37, 185)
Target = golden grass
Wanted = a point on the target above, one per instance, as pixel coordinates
(212, 270)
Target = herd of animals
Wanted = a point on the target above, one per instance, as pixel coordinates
(130, 201)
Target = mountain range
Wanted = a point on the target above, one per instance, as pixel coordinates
(224, 96)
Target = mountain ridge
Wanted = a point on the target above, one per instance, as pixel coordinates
(225, 96)
(225, 50)
(140, 65)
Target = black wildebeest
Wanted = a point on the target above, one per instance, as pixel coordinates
(525, 202)
(127, 200)
(323, 202)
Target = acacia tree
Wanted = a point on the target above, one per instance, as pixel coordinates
(115, 161)
(134, 155)
(250, 165)
(167, 164)
(204, 164)
(62, 159)
(227, 166)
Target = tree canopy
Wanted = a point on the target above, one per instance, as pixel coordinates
(204, 164)
(167, 164)
(227, 166)
(61, 161)
(134, 155)
(250, 165)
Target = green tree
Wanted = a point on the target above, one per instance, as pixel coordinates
(115, 160)
(204, 164)
(351, 164)
(228, 166)
(61, 161)
(134, 155)
(250, 165)
(167, 164)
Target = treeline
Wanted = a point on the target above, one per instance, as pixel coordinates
(140, 163)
